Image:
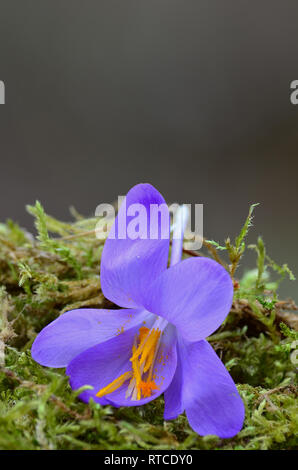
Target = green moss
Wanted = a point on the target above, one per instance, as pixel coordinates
(42, 278)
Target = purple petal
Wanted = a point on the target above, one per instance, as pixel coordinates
(102, 364)
(194, 295)
(173, 394)
(74, 331)
(210, 397)
(128, 266)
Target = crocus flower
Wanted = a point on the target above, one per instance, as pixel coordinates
(155, 343)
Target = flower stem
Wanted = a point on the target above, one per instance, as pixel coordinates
(180, 221)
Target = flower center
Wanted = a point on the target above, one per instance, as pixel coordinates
(142, 378)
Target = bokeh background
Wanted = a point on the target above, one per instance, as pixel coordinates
(192, 96)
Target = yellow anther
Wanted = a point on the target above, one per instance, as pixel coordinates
(114, 385)
(148, 352)
(136, 367)
(144, 334)
(142, 359)
(144, 352)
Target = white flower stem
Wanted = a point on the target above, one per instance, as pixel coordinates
(181, 218)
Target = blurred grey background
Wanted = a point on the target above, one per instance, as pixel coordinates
(192, 96)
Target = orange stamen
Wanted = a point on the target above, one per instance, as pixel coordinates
(147, 387)
(114, 385)
(144, 352)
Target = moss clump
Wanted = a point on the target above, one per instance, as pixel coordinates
(42, 278)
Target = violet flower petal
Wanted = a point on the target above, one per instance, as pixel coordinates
(173, 394)
(128, 266)
(210, 397)
(194, 295)
(74, 331)
(102, 364)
